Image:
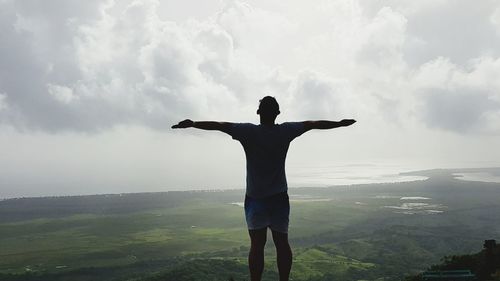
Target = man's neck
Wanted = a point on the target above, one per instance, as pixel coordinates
(267, 122)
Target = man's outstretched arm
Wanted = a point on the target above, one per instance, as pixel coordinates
(326, 124)
(204, 125)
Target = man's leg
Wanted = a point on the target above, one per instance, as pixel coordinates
(283, 253)
(256, 255)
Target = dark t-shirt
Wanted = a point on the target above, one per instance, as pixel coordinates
(265, 149)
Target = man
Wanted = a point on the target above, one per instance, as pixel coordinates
(266, 199)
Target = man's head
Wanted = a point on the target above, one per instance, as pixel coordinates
(268, 106)
(268, 110)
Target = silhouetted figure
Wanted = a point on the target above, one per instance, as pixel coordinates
(266, 199)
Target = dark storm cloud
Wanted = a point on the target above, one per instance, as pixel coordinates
(461, 110)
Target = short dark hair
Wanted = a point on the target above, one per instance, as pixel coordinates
(268, 105)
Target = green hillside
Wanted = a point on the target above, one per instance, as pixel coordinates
(365, 232)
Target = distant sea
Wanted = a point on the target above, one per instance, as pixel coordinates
(352, 174)
(478, 176)
(331, 175)
(327, 175)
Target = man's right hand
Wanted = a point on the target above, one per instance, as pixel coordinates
(183, 124)
(347, 122)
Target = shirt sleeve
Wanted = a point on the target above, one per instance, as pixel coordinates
(293, 129)
(240, 131)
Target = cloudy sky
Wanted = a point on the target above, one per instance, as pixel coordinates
(89, 89)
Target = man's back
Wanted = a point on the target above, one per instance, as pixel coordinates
(266, 147)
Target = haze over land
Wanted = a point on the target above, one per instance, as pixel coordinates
(89, 90)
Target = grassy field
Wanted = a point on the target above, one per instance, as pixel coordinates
(357, 232)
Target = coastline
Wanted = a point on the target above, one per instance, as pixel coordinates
(486, 174)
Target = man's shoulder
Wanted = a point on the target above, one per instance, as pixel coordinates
(241, 131)
(292, 125)
(243, 125)
(292, 129)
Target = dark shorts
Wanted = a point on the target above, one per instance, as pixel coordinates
(272, 212)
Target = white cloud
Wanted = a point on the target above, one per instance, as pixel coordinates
(383, 39)
(458, 99)
(255, 30)
(495, 20)
(315, 96)
(62, 93)
(3, 102)
(124, 64)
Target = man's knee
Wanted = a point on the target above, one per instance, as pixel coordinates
(257, 246)
(258, 239)
(280, 239)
